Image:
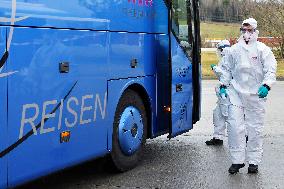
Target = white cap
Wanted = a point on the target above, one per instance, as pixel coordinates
(250, 21)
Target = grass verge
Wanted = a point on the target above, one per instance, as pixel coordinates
(208, 58)
(219, 30)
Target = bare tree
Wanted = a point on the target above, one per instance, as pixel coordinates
(223, 10)
(270, 17)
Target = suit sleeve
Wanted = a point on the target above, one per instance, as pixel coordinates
(269, 67)
(218, 71)
(226, 67)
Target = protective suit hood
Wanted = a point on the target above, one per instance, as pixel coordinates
(250, 21)
(222, 45)
(248, 37)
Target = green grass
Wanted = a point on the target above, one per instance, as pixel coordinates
(223, 31)
(208, 58)
(280, 69)
(219, 30)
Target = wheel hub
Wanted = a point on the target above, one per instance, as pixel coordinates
(134, 130)
(130, 130)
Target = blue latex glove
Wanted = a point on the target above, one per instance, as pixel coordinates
(263, 91)
(212, 66)
(223, 92)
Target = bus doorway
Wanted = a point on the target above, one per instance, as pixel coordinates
(182, 64)
(178, 70)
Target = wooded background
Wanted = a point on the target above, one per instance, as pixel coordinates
(268, 13)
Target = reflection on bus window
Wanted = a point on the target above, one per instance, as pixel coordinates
(181, 24)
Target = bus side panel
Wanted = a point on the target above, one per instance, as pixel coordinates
(115, 91)
(3, 111)
(123, 15)
(137, 16)
(161, 18)
(128, 47)
(45, 102)
(131, 55)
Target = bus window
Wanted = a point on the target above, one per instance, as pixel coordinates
(182, 25)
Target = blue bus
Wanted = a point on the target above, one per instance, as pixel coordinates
(81, 79)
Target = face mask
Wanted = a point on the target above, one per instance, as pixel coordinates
(220, 54)
(250, 37)
(247, 36)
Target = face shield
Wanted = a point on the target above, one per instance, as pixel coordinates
(220, 53)
(220, 50)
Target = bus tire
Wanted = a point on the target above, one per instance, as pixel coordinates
(123, 157)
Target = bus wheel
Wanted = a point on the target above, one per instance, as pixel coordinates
(129, 131)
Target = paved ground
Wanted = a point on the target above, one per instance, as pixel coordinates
(186, 162)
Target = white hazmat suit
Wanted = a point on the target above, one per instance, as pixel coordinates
(220, 113)
(248, 65)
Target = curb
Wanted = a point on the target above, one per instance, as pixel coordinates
(212, 78)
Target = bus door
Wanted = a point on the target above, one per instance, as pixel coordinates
(181, 44)
(3, 107)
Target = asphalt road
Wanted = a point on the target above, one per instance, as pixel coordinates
(185, 161)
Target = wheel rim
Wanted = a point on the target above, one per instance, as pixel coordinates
(130, 130)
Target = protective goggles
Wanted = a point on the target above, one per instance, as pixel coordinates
(244, 30)
(222, 47)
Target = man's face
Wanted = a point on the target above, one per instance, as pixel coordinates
(248, 33)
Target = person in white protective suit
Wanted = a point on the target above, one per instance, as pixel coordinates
(220, 113)
(249, 71)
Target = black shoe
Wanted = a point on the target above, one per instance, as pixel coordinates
(235, 168)
(214, 141)
(253, 168)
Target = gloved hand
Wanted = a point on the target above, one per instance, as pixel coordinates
(263, 91)
(212, 66)
(223, 91)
